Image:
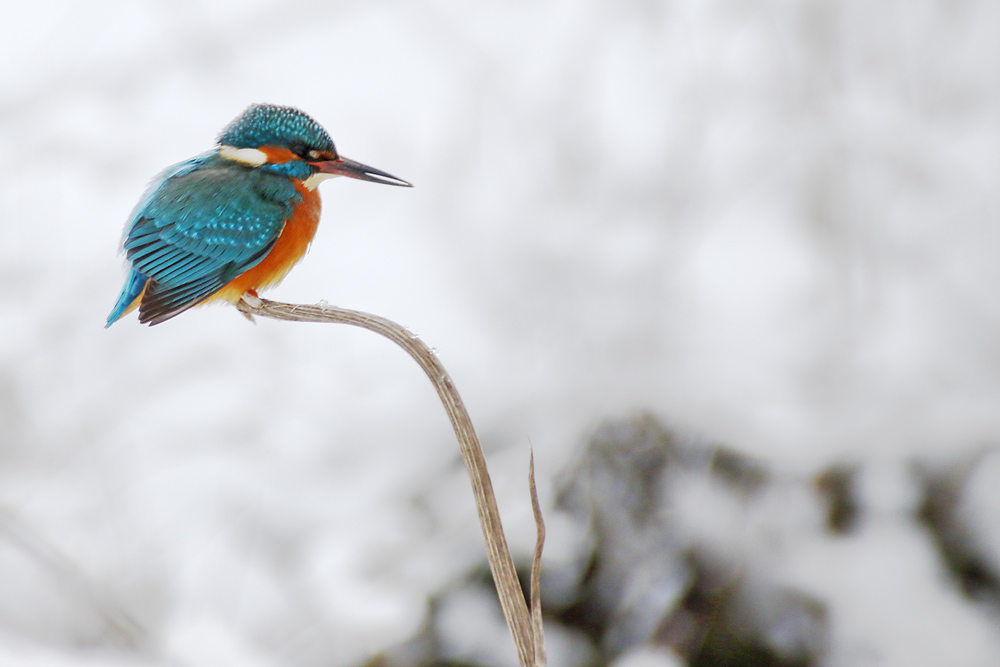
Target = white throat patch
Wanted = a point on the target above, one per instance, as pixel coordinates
(248, 156)
(317, 178)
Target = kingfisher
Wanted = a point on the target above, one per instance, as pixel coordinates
(232, 220)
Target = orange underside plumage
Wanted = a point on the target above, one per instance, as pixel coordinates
(291, 245)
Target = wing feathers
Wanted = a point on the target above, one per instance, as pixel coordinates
(160, 303)
(202, 228)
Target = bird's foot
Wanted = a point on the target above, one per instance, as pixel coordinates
(251, 298)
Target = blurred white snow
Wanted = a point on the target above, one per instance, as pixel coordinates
(773, 224)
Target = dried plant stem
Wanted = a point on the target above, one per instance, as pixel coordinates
(536, 570)
(525, 627)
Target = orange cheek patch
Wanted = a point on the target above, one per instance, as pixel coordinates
(277, 155)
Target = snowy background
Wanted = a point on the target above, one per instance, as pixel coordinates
(757, 237)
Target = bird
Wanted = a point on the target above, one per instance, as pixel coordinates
(234, 219)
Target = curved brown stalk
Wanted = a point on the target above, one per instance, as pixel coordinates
(525, 627)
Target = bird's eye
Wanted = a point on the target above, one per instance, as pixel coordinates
(300, 150)
(314, 154)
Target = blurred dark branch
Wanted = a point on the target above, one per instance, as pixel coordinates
(123, 629)
(525, 626)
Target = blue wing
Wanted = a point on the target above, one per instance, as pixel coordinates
(206, 223)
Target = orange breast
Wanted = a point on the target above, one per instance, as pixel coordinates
(291, 245)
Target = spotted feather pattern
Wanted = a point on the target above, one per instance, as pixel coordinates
(201, 228)
(275, 125)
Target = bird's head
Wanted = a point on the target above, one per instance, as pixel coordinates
(286, 141)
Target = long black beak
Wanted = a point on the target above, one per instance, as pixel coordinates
(343, 166)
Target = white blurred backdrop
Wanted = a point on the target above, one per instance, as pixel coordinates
(772, 224)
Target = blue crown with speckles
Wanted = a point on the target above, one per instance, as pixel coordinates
(274, 125)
